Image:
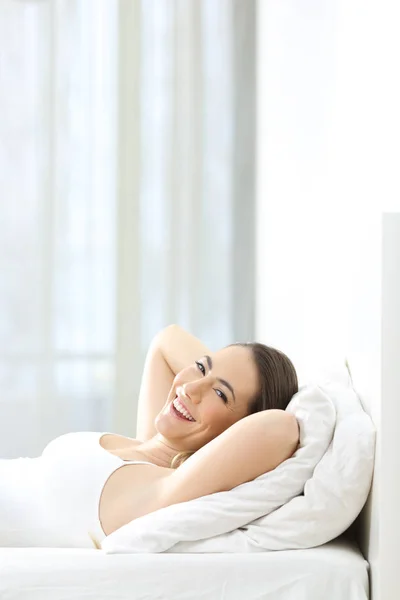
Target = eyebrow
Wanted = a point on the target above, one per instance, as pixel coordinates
(223, 381)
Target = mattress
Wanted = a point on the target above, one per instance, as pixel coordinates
(334, 571)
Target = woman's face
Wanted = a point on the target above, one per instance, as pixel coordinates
(214, 392)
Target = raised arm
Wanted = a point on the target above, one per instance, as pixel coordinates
(170, 351)
(252, 446)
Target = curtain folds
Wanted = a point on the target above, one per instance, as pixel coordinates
(126, 200)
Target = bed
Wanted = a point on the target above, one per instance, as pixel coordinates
(336, 570)
(233, 544)
(238, 544)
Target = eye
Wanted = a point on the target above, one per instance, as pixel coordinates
(200, 366)
(221, 395)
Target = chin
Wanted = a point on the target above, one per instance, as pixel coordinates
(170, 428)
(163, 425)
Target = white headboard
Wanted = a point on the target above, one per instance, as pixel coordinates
(379, 524)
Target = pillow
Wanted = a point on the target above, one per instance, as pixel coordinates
(223, 512)
(339, 487)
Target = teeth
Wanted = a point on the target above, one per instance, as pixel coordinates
(182, 410)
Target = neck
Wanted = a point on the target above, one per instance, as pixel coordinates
(158, 451)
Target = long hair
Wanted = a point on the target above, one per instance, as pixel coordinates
(277, 384)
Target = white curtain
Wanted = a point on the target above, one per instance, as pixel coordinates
(126, 200)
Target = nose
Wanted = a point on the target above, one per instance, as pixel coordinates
(196, 388)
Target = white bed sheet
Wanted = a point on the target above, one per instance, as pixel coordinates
(334, 571)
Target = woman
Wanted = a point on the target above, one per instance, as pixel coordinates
(207, 422)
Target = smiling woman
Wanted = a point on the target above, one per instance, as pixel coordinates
(213, 390)
(214, 420)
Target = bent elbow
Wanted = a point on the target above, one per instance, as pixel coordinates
(292, 433)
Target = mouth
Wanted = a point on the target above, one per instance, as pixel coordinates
(179, 410)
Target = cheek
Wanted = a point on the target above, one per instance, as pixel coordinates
(216, 418)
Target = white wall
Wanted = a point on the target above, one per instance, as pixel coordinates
(328, 156)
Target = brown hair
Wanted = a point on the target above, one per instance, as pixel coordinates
(277, 384)
(277, 378)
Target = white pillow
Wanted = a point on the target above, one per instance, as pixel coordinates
(224, 512)
(337, 491)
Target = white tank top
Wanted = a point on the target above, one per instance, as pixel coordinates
(53, 500)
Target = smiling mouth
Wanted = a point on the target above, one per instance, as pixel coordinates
(181, 411)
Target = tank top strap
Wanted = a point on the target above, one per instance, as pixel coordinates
(139, 462)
